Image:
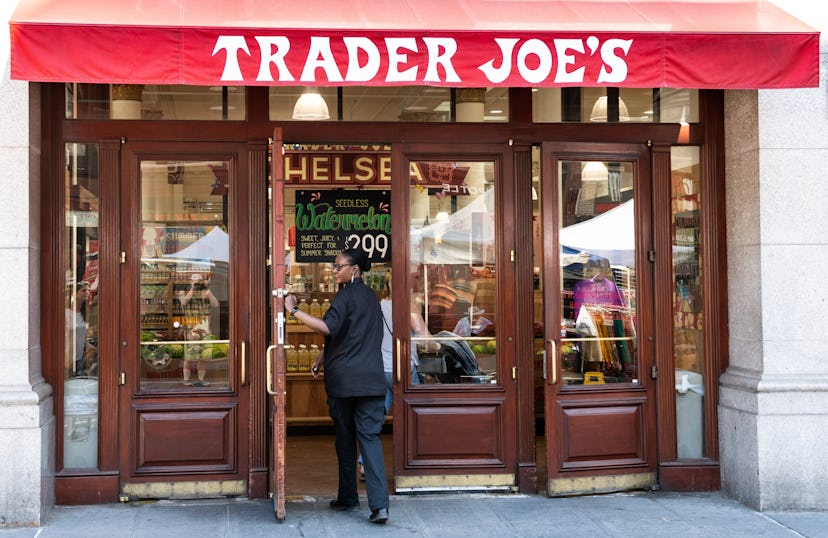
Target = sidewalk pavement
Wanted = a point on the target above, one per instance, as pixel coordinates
(656, 514)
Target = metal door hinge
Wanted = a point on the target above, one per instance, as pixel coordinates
(122, 256)
(651, 255)
(512, 255)
(122, 378)
(514, 372)
(654, 372)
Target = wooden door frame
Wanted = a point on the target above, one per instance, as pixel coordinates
(235, 400)
(506, 393)
(577, 479)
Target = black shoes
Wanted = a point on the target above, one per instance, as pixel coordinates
(380, 515)
(342, 507)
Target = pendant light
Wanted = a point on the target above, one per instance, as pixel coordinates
(311, 106)
(599, 110)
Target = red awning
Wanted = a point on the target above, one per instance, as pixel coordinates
(461, 43)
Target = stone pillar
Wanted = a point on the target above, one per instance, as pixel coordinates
(27, 435)
(126, 101)
(470, 104)
(773, 406)
(547, 105)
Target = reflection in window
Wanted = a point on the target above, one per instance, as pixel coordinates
(688, 318)
(393, 104)
(153, 102)
(185, 267)
(598, 288)
(614, 105)
(80, 260)
(453, 271)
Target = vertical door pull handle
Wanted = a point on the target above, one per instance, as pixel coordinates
(269, 357)
(243, 363)
(554, 364)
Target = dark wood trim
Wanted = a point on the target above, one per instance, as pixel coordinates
(690, 476)
(520, 105)
(109, 154)
(524, 306)
(87, 489)
(52, 233)
(373, 133)
(713, 249)
(258, 334)
(663, 283)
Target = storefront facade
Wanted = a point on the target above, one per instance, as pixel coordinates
(663, 377)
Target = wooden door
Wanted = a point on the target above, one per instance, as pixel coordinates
(454, 395)
(598, 318)
(184, 426)
(276, 369)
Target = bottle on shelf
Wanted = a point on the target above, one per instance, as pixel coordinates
(304, 306)
(315, 309)
(303, 358)
(291, 359)
(312, 354)
(326, 304)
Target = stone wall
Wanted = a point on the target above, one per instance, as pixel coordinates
(27, 436)
(773, 408)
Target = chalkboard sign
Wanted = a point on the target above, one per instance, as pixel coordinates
(329, 221)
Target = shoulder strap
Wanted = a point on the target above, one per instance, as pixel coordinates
(384, 320)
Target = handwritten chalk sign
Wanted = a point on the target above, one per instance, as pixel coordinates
(329, 221)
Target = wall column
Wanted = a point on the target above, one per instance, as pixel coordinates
(27, 424)
(126, 101)
(773, 406)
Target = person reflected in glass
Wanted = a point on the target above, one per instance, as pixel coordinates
(199, 306)
(354, 380)
(81, 354)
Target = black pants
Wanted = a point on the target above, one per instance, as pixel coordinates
(360, 419)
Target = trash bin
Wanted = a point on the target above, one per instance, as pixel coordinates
(689, 413)
(80, 423)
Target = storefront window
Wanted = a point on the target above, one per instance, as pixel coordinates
(614, 105)
(598, 274)
(185, 269)
(80, 259)
(688, 316)
(453, 269)
(153, 102)
(389, 104)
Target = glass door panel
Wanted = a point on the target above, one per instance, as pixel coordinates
(453, 270)
(184, 276)
(598, 273)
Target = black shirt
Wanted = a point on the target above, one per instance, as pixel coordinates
(353, 349)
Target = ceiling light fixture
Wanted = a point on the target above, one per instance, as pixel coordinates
(311, 106)
(594, 171)
(599, 110)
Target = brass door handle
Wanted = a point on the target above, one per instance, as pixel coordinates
(399, 354)
(554, 364)
(269, 362)
(243, 363)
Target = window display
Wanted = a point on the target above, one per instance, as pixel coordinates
(185, 266)
(597, 238)
(688, 315)
(80, 347)
(453, 270)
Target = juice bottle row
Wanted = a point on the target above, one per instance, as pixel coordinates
(314, 308)
(300, 358)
